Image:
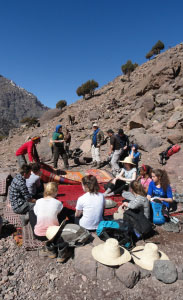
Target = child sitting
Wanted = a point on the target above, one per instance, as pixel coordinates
(145, 176)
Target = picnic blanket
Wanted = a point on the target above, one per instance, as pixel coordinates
(10, 216)
(68, 195)
(29, 241)
(48, 174)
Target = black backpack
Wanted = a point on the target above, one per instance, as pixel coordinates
(136, 219)
(117, 229)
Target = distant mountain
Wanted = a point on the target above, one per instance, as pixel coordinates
(15, 104)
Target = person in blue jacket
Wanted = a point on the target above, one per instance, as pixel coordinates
(160, 188)
(135, 154)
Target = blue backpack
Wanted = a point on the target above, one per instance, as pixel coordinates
(118, 230)
(158, 217)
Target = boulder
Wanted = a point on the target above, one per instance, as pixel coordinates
(161, 99)
(146, 142)
(176, 137)
(128, 274)
(165, 271)
(148, 103)
(138, 119)
(44, 149)
(86, 146)
(93, 115)
(177, 103)
(104, 272)
(174, 119)
(84, 262)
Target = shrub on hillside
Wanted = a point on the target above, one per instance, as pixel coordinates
(128, 68)
(155, 49)
(61, 103)
(29, 121)
(87, 88)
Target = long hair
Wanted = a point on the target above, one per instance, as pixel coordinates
(137, 188)
(163, 178)
(91, 183)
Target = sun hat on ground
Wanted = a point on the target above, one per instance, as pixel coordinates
(110, 253)
(52, 231)
(145, 256)
(127, 160)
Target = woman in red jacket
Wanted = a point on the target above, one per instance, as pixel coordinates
(30, 149)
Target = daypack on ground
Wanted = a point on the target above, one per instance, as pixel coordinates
(136, 219)
(164, 156)
(74, 235)
(158, 217)
(119, 230)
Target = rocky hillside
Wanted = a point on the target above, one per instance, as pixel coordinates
(148, 107)
(16, 104)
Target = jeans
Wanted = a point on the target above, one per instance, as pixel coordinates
(60, 151)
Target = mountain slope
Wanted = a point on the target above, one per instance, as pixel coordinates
(15, 104)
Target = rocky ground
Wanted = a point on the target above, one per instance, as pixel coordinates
(149, 109)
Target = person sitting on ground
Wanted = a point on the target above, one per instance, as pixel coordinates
(20, 198)
(90, 206)
(121, 181)
(145, 176)
(115, 150)
(160, 188)
(124, 141)
(97, 139)
(135, 154)
(33, 183)
(46, 211)
(58, 147)
(30, 149)
(137, 198)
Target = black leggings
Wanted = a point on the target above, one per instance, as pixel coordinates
(118, 187)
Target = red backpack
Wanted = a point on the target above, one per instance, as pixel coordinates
(164, 156)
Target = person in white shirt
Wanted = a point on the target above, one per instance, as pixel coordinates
(90, 206)
(45, 212)
(33, 183)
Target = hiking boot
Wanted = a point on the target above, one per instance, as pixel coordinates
(24, 219)
(64, 252)
(48, 250)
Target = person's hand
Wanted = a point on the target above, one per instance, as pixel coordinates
(125, 147)
(124, 205)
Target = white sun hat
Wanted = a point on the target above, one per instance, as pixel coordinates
(145, 256)
(110, 253)
(52, 231)
(127, 160)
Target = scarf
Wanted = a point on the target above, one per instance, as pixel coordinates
(94, 138)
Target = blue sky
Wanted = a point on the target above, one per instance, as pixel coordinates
(50, 47)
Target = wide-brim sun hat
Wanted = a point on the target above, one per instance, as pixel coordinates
(110, 253)
(127, 160)
(109, 203)
(53, 231)
(145, 256)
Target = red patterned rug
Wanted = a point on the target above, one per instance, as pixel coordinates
(68, 195)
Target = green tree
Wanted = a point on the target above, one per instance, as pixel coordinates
(149, 54)
(61, 103)
(128, 68)
(158, 47)
(87, 88)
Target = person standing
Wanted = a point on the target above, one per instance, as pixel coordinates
(67, 139)
(115, 150)
(97, 139)
(58, 147)
(30, 149)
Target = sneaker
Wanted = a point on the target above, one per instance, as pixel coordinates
(64, 252)
(48, 250)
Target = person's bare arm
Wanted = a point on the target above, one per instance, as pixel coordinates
(78, 213)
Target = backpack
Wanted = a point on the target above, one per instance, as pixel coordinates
(118, 230)
(74, 235)
(164, 156)
(136, 219)
(158, 217)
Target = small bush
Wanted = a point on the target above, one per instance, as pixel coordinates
(61, 103)
(29, 121)
(87, 88)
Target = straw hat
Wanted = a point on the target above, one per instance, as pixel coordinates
(109, 203)
(52, 231)
(145, 256)
(127, 160)
(110, 253)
